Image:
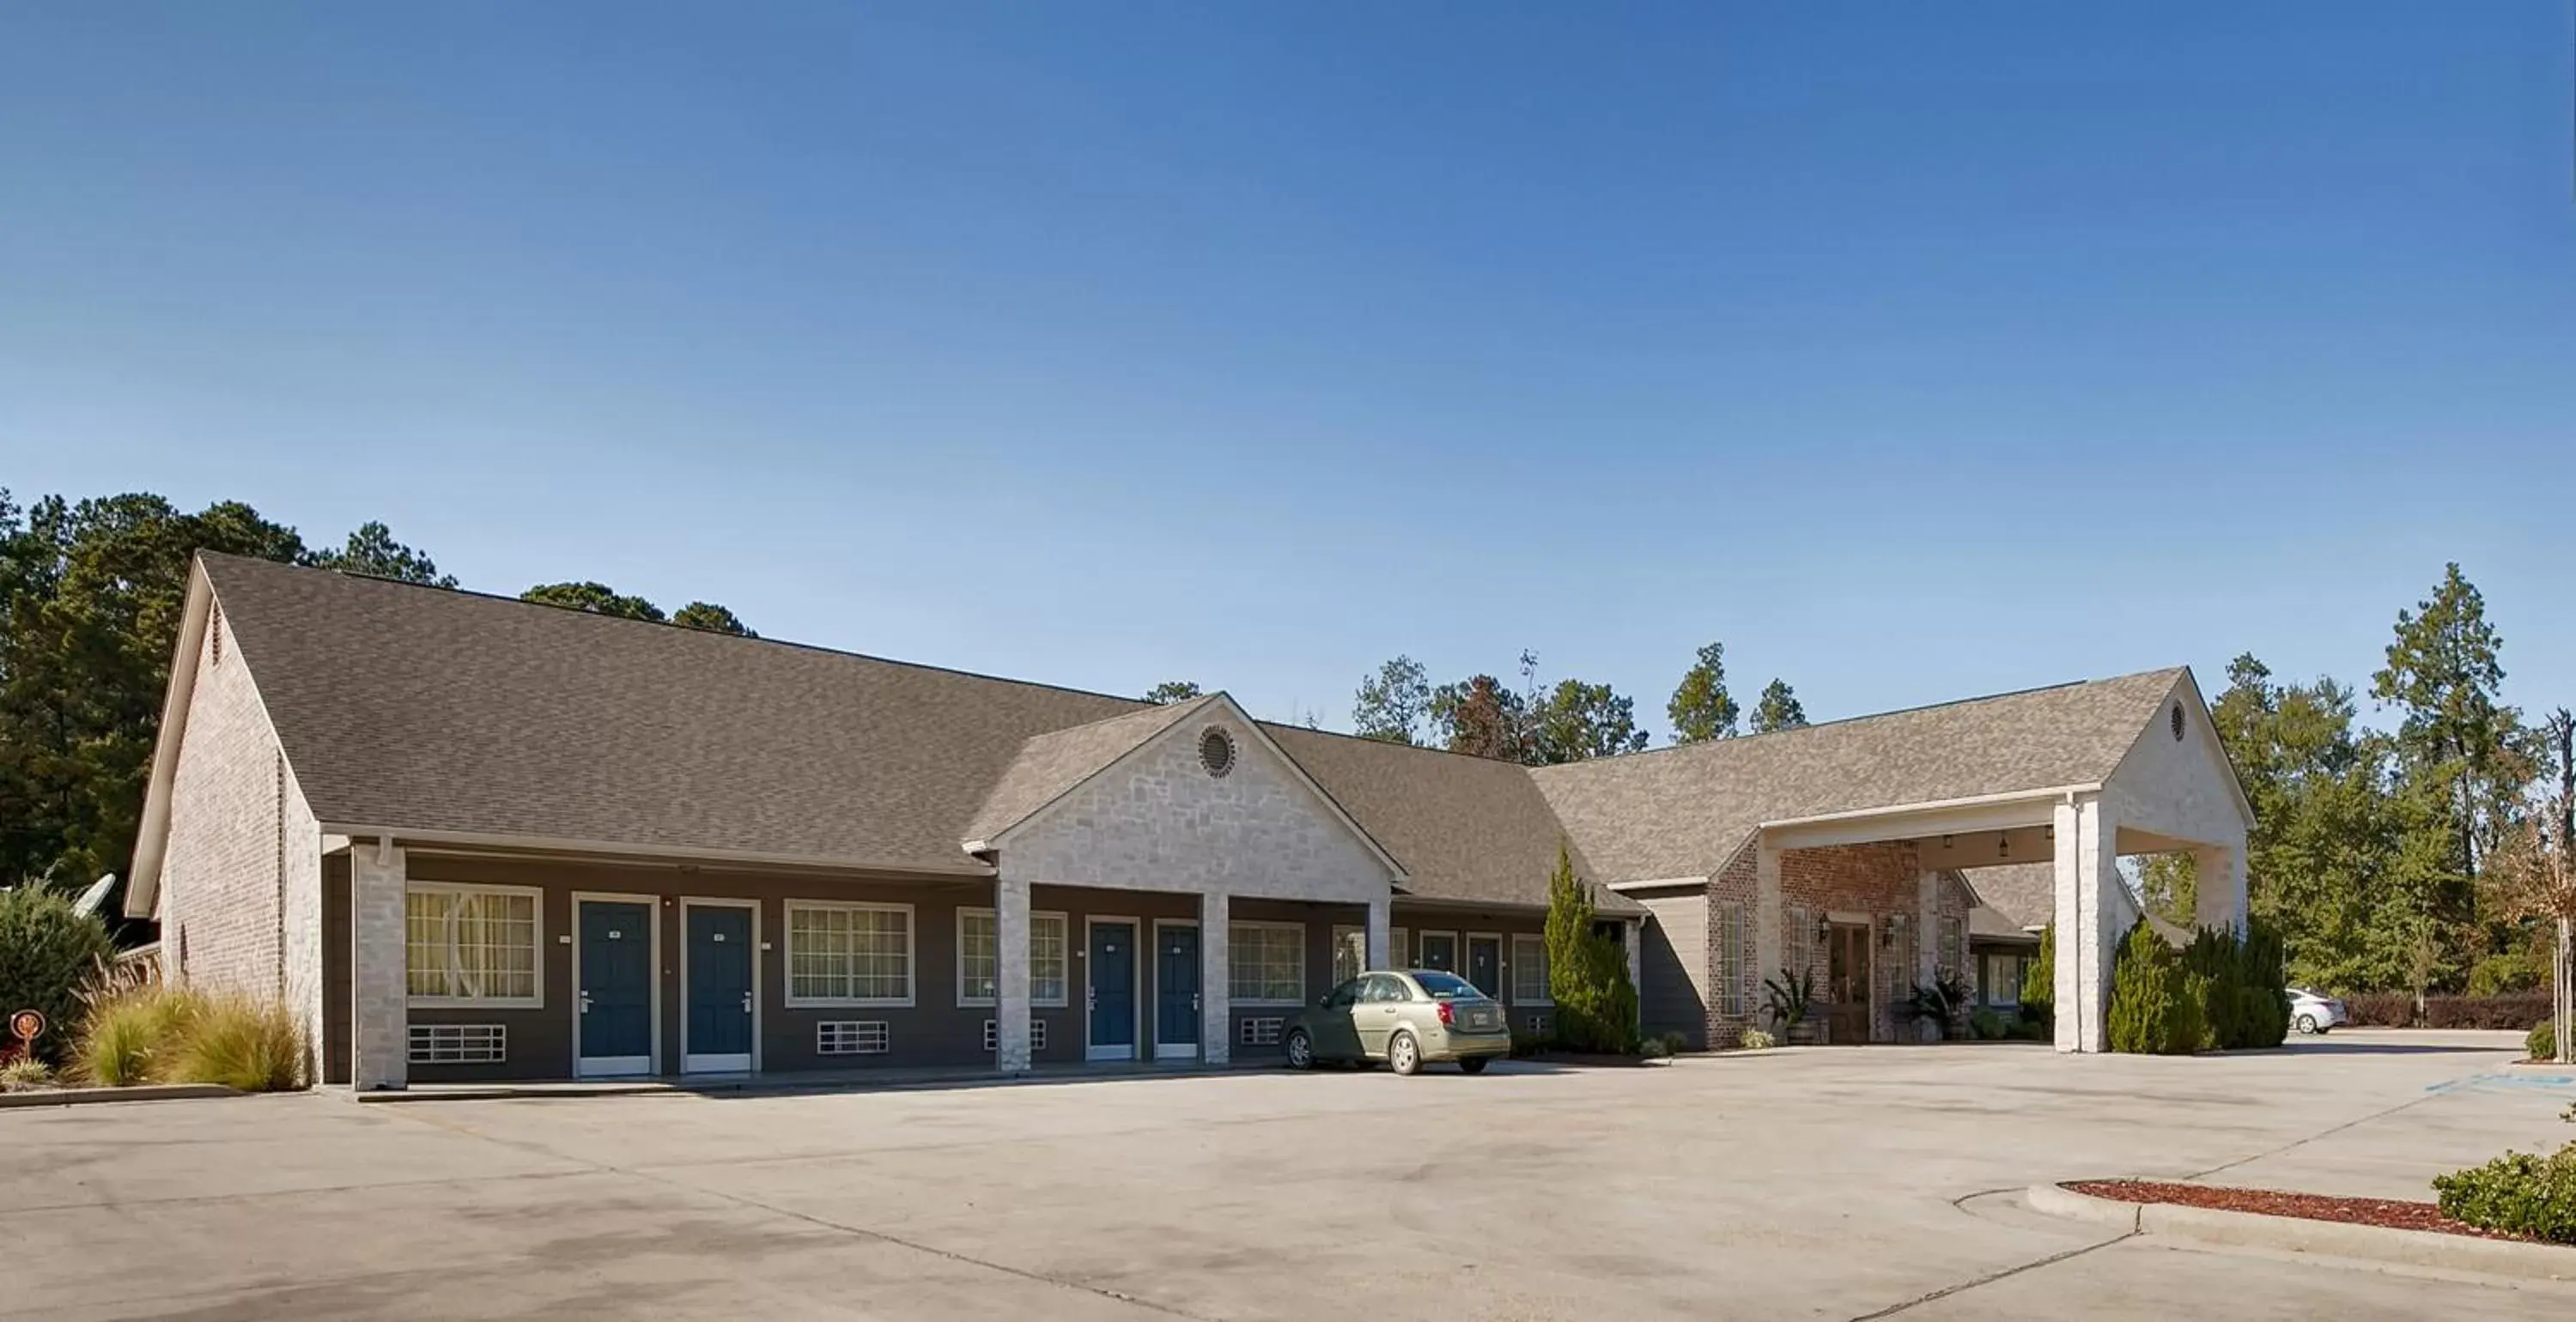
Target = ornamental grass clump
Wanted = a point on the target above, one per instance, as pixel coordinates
(239, 1042)
(148, 1032)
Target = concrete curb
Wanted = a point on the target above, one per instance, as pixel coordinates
(141, 1092)
(2411, 1248)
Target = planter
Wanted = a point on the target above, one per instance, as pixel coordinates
(1807, 1033)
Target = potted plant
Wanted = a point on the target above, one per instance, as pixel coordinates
(1939, 1005)
(1790, 1002)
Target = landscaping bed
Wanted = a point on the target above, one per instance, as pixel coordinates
(2384, 1212)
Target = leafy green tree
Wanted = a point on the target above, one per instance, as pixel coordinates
(1587, 973)
(712, 618)
(372, 550)
(1171, 691)
(2169, 887)
(1778, 710)
(596, 598)
(1393, 704)
(1701, 708)
(94, 594)
(1479, 716)
(1577, 721)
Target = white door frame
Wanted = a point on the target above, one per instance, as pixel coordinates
(1135, 994)
(651, 1062)
(745, 1062)
(1174, 1050)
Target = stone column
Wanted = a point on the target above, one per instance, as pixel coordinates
(2067, 977)
(2098, 860)
(1216, 972)
(1379, 935)
(1636, 944)
(2220, 873)
(1011, 974)
(1768, 923)
(1927, 942)
(380, 994)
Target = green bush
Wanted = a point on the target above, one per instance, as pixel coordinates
(2518, 1193)
(2266, 1018)
(2542, 1042)
(25, 1074)
(2244, 1004)
(48, 950)
(2156, 1003)
(2501, 975)
(2039, 980)
(1755, 1039)
(1587, 973)
(1985, 1025)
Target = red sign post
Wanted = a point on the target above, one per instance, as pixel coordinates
(26, 1026)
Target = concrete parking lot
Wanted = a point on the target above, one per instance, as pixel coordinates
(1825, 1183)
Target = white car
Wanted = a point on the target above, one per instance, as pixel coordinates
(2314, 1011)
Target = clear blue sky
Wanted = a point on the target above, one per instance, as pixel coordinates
(1916, 351)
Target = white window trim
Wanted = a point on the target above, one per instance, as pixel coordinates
(433, 1002)
(1511, 981)
(1303, 973)
(966, 1002)
(911, 956)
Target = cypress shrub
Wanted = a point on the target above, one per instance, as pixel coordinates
(2266, 1017)
(2039, 981)
(1587, 974)
(48, 951)
(2156, 1002)
(2215, 958)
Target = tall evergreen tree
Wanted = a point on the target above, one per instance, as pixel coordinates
(2444, 674)
(1779, 709)
(597, 599)
(1478, 715)
(711, 618)
(1577, 721)
(1701, 708)
(372, 550)
(1171, 691)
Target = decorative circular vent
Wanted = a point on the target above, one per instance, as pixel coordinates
(2176, 720)
(1216, 751)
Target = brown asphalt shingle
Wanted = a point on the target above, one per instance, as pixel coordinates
(2016, 895)
(423, 709)
(1682, 812)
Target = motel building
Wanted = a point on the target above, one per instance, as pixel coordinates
(468, 838)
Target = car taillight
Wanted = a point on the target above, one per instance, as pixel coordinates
(1445, 1016)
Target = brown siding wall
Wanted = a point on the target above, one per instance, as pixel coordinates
(933, 1031)
(1529, 1019)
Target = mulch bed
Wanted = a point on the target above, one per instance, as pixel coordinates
(2306, 1206)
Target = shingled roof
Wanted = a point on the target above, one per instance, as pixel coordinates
(1682, 812)
(405, 708)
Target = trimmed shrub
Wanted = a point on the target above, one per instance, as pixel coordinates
(48, 950)
(25, 1074)
(2379, 1010)
(2039, 981)
(2266, 1016)
(1587, 973)
(1985, 1025)
(2542, 1042)
(2155, 1001)
(2518, 1193)
(2518, 1012)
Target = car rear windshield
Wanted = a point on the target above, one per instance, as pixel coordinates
(1446, 986)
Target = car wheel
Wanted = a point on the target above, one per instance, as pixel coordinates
(1301, 1052)
(2308, 1024)
(1403, 1055)
(1474, 1064)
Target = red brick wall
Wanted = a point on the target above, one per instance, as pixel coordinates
(1736, 886)
(1883, 881)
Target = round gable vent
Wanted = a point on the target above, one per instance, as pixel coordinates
(2176, 720)
(1216, 751)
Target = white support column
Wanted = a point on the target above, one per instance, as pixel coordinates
(1380, 936)
(1216, 980)
(379, 994)
(1767, 921)
(2099, 862)
(2067, 978)
(1927, 943)
(1011, 974)
(2219, 871)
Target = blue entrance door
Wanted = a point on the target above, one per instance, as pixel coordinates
(719, 992)
(1176, 992)
(616, 1001)
(1113, 991)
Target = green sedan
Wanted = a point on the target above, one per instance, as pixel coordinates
(1403, 1019)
